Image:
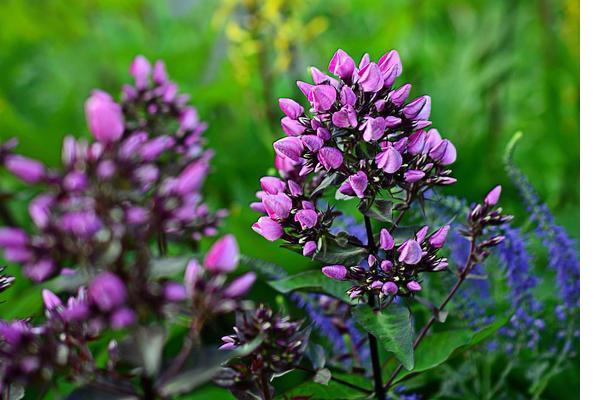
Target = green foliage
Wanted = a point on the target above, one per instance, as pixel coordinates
(313, 281)
(393, 326)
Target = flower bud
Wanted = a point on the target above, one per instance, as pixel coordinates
(290, 108)
(418, 109)
(104, 117)
(309, 248)
(269, 229)
(389, 160)
(40, 270)
(292, 127)
(272, 184)
(399, 96)
(107, 291)
(491, 199)
(223, 256)
(345, 118)
(390, 67)
(330, 158)
(342, 65)
(373, 128)
(413, 286)
(420, 235)
(159, 73)
(347, 97)
(174, 292)
(307, 218)
(410, 252)
(191, 275)
(122, 317)
(82, 224)
(322, 97)
(13, 237)
(386, 266)
(386, 241)
(140, 69)
(192, 177)
(289, 147)
(277, 206)
(26, 169)
(240, 286)
(51, 301)
(370, 78)
(389, 288)
(413, 175)
(337, 272)
(444, 152)
(438, 239)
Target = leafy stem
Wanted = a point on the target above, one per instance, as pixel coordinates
(379, 389)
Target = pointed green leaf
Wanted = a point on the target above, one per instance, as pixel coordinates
(313, 281)
(393, 327)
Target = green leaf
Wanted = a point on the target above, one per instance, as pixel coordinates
(325, 183)
(167, 266)
(435, 349)
(313, 281)
(393, 327)
(339, 250)
(203, 365)
(333, 390)
(101, 390)
(379, 209)
(144, 348)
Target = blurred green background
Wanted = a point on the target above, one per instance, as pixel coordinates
(491, 67)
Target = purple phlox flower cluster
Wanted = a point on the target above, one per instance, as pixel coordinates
(110, 301)
(281, 349)
(522, 281)
(360, 135)
(563, 255)
(395, 269)
(140, 177)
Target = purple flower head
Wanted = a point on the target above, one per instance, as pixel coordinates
(223, 256)
(107, 291)
(104, 117)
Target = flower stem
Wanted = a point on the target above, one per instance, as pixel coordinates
(379, 389)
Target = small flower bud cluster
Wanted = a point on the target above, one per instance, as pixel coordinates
(5, 280)
(281, 349)
(206, 285)
(32, 354)
(137, 180)
(484, 216)
(394, 269)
